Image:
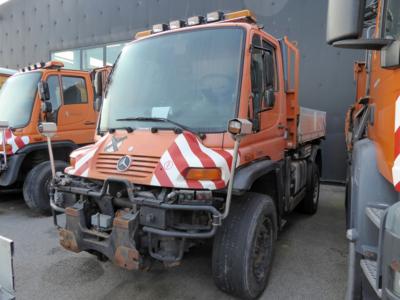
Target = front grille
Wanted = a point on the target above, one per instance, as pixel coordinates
(141, 167)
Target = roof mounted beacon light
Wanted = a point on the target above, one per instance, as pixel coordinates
(195, 20)
(177, 24)
(160, 28)
(214, 16)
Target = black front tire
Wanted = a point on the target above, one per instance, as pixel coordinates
(244, 245)
(309, 205)
(36, 186)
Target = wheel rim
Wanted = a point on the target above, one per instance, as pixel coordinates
(262, 249)
(316, 190)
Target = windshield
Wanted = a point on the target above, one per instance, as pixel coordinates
(191, 78)
(16, 99)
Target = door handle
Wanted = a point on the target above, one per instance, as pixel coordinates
(89, 123)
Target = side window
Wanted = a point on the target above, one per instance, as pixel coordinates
(257, 67)
(55, 92)
(263, 78)
(271, 66)
(392, 20)
(74, 90)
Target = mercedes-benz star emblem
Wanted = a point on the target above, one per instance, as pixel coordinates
(124, 163)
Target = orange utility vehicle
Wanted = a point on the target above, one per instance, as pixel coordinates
(42, 93)
(373, 143)
(4, 74)
(202, 137)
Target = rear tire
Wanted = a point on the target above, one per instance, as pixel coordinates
(244, 245)
(37, 184)
(309, 205)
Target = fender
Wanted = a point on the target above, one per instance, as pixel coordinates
(15, 161)
(248, 174)
(314, 152)
(43, 146)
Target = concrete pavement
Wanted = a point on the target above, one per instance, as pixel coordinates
(310, 261)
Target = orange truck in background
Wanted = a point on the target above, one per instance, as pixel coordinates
(202, 138)
(373, 144)
(4, 74)
(44, 92)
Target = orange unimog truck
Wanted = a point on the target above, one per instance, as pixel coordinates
(202, 137)
(373, 143)
(4, 74)
(44, 92)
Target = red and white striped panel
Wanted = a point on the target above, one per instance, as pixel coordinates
(188, 152)
(82, 158)
(396, 164)
(16, 142)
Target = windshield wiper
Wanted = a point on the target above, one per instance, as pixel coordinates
(164, 120)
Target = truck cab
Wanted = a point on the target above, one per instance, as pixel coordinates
(202, 138)
(44, 92)
(373, 144)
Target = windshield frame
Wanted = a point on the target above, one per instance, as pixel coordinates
(33, 101)
(183, 30)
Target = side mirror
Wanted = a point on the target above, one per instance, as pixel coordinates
(98, 84)
(98, 90)
(97, 103)
(240, 127)
(44, 92)
(345, 25)
(47, 107)
(269, 99)
(256, 73)
(269, 69)
(345, 20)
(48, 129)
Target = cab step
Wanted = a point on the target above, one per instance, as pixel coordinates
(375, 214)
(370, 270)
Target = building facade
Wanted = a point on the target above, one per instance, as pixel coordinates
(90, 33)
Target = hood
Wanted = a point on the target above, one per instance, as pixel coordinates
(156, 159)
(15, 142)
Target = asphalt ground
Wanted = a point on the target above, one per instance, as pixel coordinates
(310, 261)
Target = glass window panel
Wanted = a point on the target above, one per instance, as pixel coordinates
(392, 19)
(92, 58)
(197, 75)
(71, 58)
(22, 90)
(112, 52)
(55, 97)
(74, 90)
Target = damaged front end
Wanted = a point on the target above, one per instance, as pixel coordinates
(128, 223)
